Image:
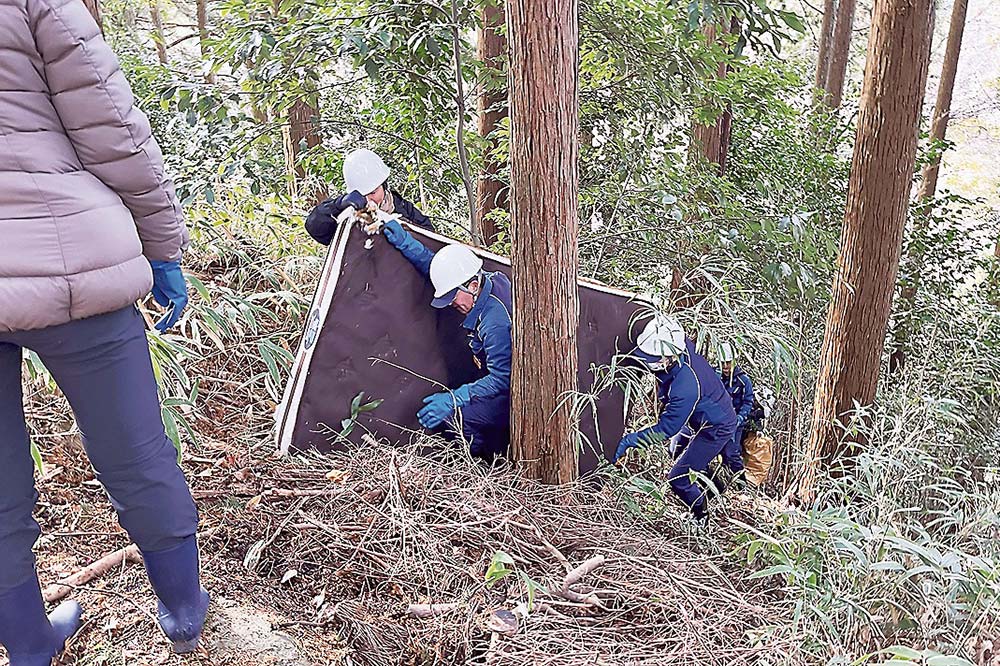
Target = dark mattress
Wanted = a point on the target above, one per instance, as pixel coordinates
(371, 329)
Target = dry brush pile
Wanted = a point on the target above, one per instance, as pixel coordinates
(416, 559)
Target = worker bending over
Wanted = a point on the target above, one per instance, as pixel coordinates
(366, 178)
(485, 299)
(740, 390)
(690, 394)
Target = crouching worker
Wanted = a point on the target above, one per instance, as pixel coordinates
(90, 225)
(690, 394)
(740, 390)
(483, 406)
(366, 178)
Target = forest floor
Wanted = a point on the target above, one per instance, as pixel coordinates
(315, 560)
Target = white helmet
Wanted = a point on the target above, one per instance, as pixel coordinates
(727, 353)
(451, 267)
(364, 171)
(663, 336)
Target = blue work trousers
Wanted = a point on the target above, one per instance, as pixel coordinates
(486, 426)
(103, 367)
(701, 449)
(732, 454)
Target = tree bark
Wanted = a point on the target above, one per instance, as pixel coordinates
(302, 128)
(94, 7)
(840, 53)
(203, 34)
(942, 108)
(544, 114)
(492, 46)
(713, 140)
(158, 35)
(870, 244)
(825, 39)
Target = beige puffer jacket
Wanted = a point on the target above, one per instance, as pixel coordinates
(84, 201)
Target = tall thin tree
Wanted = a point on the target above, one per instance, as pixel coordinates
(544, 119)
(158, 35)
(928, 182)
(871, 239)
(840, 53)
(203, 34)
(946, 88)
(491, 48)
(713, 140)
(825, 39)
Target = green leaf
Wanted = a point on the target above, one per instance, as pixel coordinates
(948, 660)
(356, 404)
(370, 406)
(772, 571)
(501, 566)
(793, 21)
(200, 287)
(170, 424)
(36, 455)
(532, 587)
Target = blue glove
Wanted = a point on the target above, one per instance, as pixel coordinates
(170, 291)
(740, 421)
(437, 409)
(356, 200)
(629, 441)
(395, 233)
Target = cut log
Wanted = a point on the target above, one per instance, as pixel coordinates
(61, 590)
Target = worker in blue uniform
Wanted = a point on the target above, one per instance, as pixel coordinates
(740, 390)
(691, 397)
(485, 299)
(366, 178)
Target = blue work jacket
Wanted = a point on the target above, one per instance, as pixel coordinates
(740, 390)
(489, 324)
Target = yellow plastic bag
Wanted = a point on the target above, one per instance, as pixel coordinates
(758, 455)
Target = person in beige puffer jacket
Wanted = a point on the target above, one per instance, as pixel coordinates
(89, 223)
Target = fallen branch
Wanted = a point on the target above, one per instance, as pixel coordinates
(61, 590)
(427, 611)
(588, 567)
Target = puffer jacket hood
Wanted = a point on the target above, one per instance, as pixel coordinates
(84, 200)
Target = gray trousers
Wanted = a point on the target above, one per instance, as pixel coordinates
(103, 367)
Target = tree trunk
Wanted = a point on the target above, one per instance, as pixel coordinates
(94, 7)
(942, 108)
(825, 38)
(928, 182)
(302, 129)
(158, 36)
(544, 114)
(713, 140)
(708, 138)
(492, 46)
(870, 244)
(840, 53)
(203, 35)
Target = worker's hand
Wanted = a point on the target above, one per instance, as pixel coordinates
(394, 233)
(629, 441)
(437, 409)
(170, 291)
(356, 200)
(740, 421)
